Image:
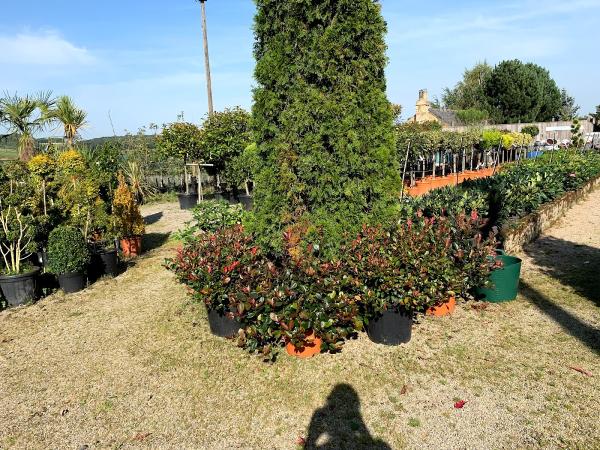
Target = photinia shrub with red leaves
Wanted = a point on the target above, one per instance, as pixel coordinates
(419, 263)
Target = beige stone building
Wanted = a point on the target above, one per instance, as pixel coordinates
(425, 113)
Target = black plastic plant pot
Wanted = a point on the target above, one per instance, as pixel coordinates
(233, 198)
(187, 201)
(391, 328)
(221, 325)
(19, 289)
(103, 262)
(222, 196)
(110, 262)
(72, 282)
(247, 202)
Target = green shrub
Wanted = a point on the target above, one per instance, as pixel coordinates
(531, 130)
(322, 122)
(210, 216)
(224, 135)
(449, 200)
(67, 251)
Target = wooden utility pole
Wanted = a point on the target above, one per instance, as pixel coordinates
(206, 58)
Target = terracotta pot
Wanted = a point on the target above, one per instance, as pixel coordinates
(444, 309)
(312, 347)
(131, 246)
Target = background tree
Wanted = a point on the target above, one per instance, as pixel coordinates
(596, 118)
(569, 110)
(71, 117)
(520, 92)
(26, 116)
(322, 121)
(469, 93)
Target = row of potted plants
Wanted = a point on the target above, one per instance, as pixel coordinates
(57, 218)
(429, 183)
(380, 280)
(308, 303)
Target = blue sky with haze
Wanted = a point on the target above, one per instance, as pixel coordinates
(142, 60)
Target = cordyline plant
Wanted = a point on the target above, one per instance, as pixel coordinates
(16, 238)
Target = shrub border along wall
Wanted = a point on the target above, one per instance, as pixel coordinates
(527, 229)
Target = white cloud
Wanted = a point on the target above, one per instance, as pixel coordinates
(45, 48)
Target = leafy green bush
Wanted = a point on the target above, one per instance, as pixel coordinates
(531, 130)
(224, 135)
(67, 251)
(210, 216)
(181, 140)
(449, 200)
(322, 122)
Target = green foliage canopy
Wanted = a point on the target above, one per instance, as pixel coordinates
(322, 121)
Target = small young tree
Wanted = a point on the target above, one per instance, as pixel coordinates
(576, 134)
(322, 122)
(224, 136)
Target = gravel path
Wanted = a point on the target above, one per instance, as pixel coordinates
(130, 363)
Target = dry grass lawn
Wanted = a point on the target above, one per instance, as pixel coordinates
(130, 363)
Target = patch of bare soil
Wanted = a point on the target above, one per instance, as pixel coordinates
(130, 363)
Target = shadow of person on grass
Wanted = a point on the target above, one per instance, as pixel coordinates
(571, 264)
(339, 424)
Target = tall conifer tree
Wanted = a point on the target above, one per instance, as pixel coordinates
(321, 119)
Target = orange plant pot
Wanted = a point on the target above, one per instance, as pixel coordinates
(131, 246)
(312, 347)
(444, 309)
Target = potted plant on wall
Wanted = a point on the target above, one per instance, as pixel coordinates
(128, 220)
(17, 279)
(68, 258)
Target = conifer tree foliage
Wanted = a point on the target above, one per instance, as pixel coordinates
(323, 124)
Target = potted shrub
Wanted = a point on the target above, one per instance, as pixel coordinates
(210, 216)
(104, 259)
(240, 172)
(17, 279)
(128, 220)
(223, 137)
(68, 257)
(416, 272)
(181, 140)
(214, 266)
(503, 282)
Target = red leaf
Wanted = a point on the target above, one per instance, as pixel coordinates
(301, 441)
(587, 373)
(459, 404)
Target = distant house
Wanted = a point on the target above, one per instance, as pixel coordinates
(425, 113)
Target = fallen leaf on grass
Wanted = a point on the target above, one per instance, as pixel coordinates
(404, 390)
(479, 306)
(460, 404)
(587, 373)
(140, 437)
(301, 441)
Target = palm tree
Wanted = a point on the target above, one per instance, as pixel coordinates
(26, 116)
(71, 117)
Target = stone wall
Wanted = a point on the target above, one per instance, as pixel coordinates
(529, 228)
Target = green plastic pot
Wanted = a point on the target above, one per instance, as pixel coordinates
(504, 281)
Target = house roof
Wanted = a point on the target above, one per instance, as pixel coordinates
(446, 116)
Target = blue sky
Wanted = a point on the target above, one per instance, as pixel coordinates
(142, 60)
